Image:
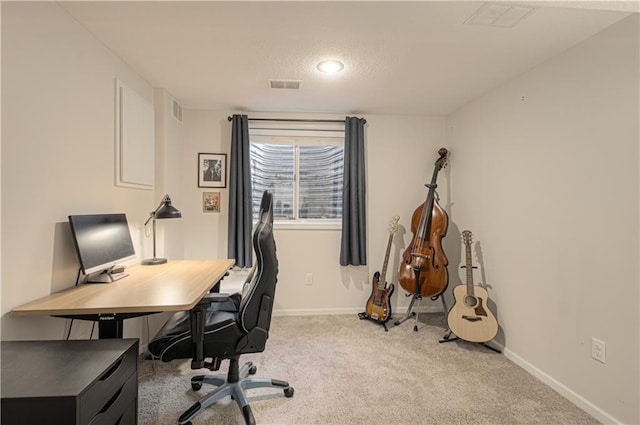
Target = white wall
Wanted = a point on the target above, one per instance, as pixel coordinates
(400, 152)
(57, 156)
(170, 134)
(545, 173)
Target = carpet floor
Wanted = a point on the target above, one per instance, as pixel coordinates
(349, 371)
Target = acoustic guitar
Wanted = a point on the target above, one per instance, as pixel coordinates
(470, 318)
(378, 306)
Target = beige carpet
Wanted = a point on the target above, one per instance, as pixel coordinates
(349, 371)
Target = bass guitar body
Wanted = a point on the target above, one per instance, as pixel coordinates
(378, 306)
(470, 318)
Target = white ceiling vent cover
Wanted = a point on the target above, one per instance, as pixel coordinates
(176, 110)
(499, 15)
(285, 84)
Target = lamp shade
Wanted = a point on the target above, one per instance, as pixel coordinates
(166, 210)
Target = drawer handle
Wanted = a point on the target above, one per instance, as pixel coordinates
(119, 420)
(113, 400)
(111, 371)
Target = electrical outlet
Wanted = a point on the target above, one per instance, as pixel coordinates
(309, 279)
(598, 350)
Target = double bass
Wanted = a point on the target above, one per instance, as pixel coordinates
(423, 270)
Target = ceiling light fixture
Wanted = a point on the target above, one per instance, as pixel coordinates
(330, 66)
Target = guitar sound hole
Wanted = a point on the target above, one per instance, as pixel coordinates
(470, 301)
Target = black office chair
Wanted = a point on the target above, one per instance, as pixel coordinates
(224, 327)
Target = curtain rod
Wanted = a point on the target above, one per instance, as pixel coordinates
(292, 120)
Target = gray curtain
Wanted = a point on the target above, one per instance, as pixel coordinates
(353, 247)
(240, 214)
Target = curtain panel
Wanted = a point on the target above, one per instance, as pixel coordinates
(240, 213)
(353, 247)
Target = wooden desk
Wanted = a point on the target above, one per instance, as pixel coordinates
(175, 286)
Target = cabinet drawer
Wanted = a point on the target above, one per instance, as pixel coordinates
(118, 407)
(107, 385)
(130, 415)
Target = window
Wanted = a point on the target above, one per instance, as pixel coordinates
(302, 164)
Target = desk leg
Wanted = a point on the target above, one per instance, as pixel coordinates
(109, 327)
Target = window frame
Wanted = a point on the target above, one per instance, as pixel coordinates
(296, 135)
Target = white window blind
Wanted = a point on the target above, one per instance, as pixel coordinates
(302, 164)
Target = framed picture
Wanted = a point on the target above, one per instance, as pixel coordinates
(211, 202)
(212, 170)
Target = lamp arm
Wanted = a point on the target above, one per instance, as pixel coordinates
(152, 214)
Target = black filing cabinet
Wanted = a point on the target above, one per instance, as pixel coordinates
(91, 382)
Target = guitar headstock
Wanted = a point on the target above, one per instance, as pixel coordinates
(442, 161)
(393, 225)
(467, 237)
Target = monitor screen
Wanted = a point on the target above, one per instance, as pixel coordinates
(101, 240)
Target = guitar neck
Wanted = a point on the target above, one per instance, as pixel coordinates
(383, 276)
(469, 268)
(428, 205)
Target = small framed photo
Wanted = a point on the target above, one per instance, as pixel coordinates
(212, 170)
(211, 202)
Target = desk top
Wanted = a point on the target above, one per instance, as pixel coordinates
(175, 286)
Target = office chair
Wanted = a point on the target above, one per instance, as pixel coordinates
(224, 327)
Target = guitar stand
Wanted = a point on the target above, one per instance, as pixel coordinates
(447, 338)
(411, 313)
(363, 316)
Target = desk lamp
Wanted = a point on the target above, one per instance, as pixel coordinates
(164, 210)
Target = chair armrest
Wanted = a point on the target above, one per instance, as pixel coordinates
(198, 319)
(214, 297)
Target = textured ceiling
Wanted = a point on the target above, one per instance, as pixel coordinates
(400, 57)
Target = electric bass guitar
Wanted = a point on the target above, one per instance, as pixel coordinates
(470, 318)
(378, 306)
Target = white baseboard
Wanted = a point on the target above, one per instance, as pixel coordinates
(565, 391)
(346, 310)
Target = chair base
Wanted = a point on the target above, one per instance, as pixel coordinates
(235, 386)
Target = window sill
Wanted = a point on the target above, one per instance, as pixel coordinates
(307, 225)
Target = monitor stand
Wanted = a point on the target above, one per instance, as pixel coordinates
(108, 276)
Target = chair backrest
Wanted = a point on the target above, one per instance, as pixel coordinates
(256, 304)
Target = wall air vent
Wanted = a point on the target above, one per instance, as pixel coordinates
(499, 15)
(285, 84)
(176, 110)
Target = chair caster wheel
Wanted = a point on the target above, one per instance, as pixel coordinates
(253, 370)
(195, 386)
(288, 392)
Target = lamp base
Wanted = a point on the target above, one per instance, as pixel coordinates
(153, 261)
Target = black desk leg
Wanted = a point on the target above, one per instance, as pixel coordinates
(109, 327)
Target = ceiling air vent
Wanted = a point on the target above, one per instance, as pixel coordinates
(176, 110)
(285, 84)
(499, 15)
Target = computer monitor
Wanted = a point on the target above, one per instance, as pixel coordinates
(101, 241)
